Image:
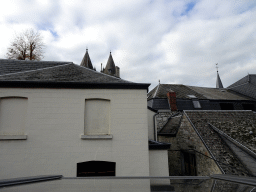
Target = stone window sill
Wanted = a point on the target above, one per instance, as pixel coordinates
(13, 137)
(96, 137)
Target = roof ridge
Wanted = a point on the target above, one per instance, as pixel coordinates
(156, 90)
(31, 61)
(238, 85)
(35, 70)
(102, 73)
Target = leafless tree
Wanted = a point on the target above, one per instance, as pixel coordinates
(26, 46)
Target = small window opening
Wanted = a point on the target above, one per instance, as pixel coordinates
(192, 96)
(188, 163)
(248, 106)
(226, 106)
(196, 104)
(96, 168)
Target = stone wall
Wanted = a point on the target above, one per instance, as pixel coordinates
(188, 140)
(162, 118)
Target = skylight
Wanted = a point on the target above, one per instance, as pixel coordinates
(192, 96)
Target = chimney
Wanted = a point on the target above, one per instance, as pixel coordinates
(171, 95)
(117, 71)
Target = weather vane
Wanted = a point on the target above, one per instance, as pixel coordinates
(217, 66)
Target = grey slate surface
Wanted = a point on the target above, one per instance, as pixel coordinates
(235, 124)
(13, 66)
(63, 73)
(220, 94)
(182, 92)
(245, 86)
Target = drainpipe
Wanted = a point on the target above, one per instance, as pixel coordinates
(155, 131)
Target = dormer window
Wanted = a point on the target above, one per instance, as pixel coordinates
(109, 70)
(196, 104)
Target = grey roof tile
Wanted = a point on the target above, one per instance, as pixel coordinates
(182, 92)
(63, 73)
(235, 124)
(245, 86)
(13, 66)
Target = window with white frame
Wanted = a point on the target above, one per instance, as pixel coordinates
(97, 117)
(13, 116)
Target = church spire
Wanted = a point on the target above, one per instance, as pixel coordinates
(218, 81)
(110, 67)
(86, 62)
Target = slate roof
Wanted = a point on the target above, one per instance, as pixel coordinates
(236, 124)
(245, 86)
(86, 62)
(155, 145)
(60, 75)
(182, 92)
(219, 94)
(171, 126)
(13, 66)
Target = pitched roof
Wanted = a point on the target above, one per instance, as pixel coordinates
(171, 126)
(110, 67)
(69, 74)
(86, 62)
(220, 94)
(218, 81)
(236, 124)
(183, 92)
(13, 66)
(245, 86)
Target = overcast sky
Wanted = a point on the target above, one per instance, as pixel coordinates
(174, 41)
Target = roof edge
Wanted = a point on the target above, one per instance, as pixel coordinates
(72, 85)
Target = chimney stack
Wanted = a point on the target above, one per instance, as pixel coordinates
(171, 95)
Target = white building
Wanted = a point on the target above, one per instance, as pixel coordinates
(62, 118)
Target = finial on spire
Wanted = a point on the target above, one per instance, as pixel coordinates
(217, 67)
(159, 81)
(110, 51)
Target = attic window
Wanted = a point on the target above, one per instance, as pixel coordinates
(196, 104)
(192, 96)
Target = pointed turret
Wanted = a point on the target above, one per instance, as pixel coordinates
(218, 81)
(110, 68)
(86, 62)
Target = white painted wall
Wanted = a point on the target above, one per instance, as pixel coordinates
(158, 166)
(56, 121)
(158, 163)
(151, 124)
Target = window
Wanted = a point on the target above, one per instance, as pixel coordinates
(13, 115)
(188, 160)
(196, 104)
(226, 106)
(96, 120)
(96, 168)
(192, 96)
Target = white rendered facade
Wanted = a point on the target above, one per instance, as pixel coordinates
(55, 121)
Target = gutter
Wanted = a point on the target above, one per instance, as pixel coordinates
(72, 85)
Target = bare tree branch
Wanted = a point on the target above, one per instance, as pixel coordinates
(26, 46)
